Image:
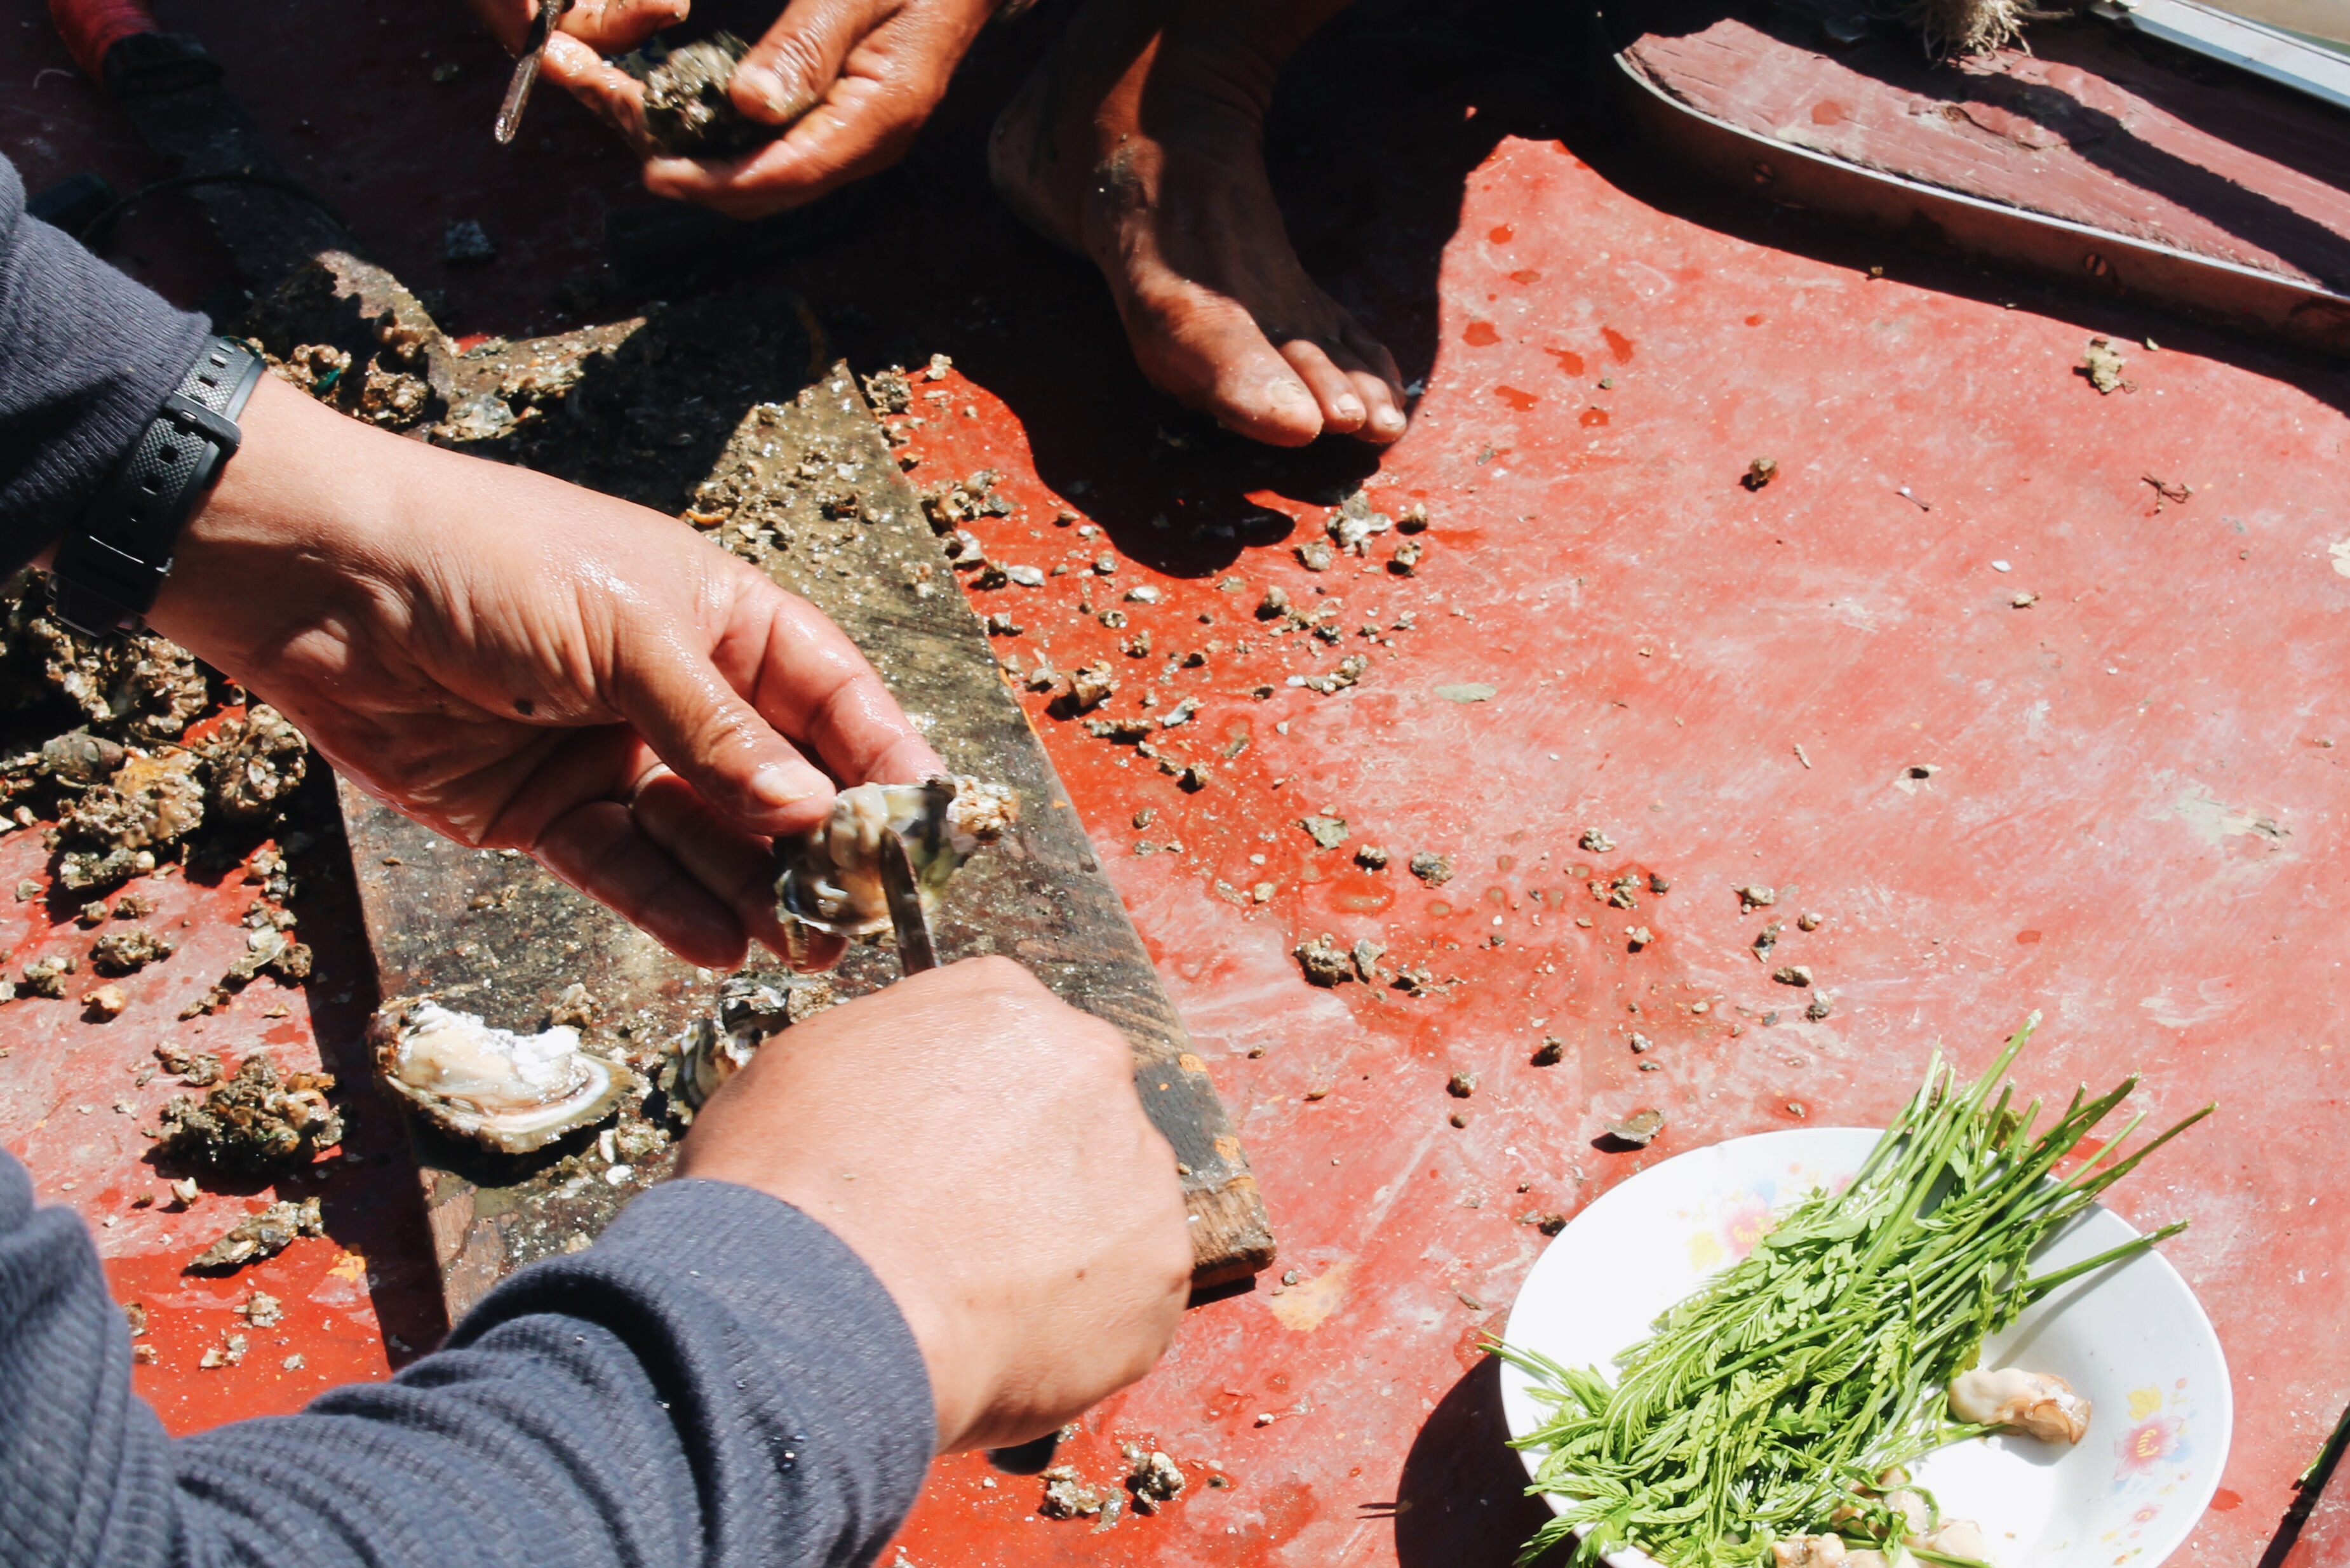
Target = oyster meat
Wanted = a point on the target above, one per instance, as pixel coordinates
(831, 878)
(509, 1093)
(2039, 1403)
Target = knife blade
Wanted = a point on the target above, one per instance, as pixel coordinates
(916, 951)
(526, 71)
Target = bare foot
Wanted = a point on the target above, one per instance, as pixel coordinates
(1140, 142)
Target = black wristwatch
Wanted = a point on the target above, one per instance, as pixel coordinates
(106, 572)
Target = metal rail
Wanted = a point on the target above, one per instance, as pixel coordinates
(2283, 57)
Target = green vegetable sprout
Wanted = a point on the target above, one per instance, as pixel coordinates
(1786, 1397)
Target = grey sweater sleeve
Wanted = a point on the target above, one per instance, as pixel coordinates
(87, 356)
(719, 1380)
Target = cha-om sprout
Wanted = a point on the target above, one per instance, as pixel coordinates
(1772, 1417)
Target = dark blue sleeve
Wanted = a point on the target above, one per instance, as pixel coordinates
(719, 1380)
(87, 356)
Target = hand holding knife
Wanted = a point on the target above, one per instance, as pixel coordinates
(916, 952)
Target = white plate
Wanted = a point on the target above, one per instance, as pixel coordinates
(2132, 1339)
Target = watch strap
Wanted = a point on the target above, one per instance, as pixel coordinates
(107, 571)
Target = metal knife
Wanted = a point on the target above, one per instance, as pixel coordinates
(916, 951)
(526, 71)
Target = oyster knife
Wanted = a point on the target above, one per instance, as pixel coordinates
(526, 71)
(916, 951)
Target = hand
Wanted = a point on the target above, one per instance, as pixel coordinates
(606, 26)
(853, 80)
(980, 1145)
(521, 663)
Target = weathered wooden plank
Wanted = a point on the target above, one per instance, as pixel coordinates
(803, 483)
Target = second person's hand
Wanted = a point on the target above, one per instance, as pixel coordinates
(852, 80)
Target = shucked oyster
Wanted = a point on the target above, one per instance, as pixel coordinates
(831, 876)
(507, 1092)
(2039, 1403)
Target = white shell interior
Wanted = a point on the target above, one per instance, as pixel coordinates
(516, 1083)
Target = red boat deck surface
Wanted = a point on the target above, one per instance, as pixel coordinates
(2132, 817)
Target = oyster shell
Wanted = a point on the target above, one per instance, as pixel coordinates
(506, 1092)
(702, 1058)
(831, 878)
(688, 112)
(262, 1235)
(751, 1008)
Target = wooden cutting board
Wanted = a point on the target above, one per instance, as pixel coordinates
(726, 408)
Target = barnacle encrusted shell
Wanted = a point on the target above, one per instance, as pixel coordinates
(831, 878)
(688, 111)
(509, 1093)
(751, 1008)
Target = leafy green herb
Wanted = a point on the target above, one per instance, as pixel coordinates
(1770, 1403)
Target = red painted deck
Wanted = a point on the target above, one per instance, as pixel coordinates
(2134, 819)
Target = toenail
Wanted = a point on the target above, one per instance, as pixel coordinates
(1290, 392)
(1349, 410)
(1388, 419)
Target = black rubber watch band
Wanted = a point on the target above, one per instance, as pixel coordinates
(106, 572)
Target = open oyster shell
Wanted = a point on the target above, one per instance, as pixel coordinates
(508, 1093)
(831, 878)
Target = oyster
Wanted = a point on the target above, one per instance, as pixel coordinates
(688, 111)
(256, 1121)
(506, 1092)
(148, 802)
(253, 763)
(831, 878)
(751, 1008)
(2039, 1403)
(702, 1058)
(262, 1235)
(1957, 1538)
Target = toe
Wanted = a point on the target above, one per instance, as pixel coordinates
(1385, 421)
(1377, 382)
(1342, 410)
(1210, 354)
(1260, 398)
